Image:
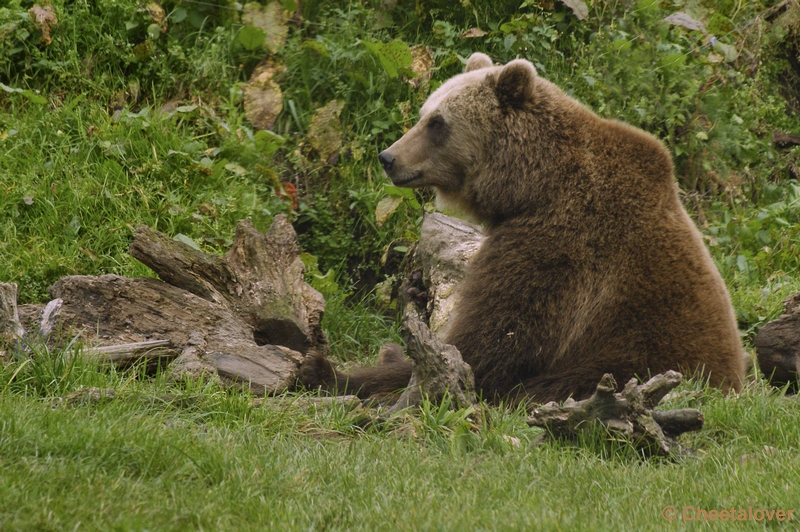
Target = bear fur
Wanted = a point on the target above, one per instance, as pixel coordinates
(591, 265)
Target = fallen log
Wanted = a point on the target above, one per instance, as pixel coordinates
(244, 318)
(628, 415)
(261, 280)
(211, 340)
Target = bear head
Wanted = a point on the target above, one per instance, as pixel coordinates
(455, 139)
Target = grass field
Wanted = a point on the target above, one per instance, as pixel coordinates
(207, 459)
(115, 114)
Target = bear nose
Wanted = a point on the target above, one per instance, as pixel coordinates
(386, 160)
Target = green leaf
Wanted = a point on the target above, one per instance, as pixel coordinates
(251, 38)
(73, 227)
(316, 46)
(405, 193)
(399, 192)
(385, 208)
(268, 142)
(154, 31)
(509, 40)
(741, 263)
(325, 284)
(180, 237)
(310, 262)
(196, 18)
(728, 52)
(394, 56)
(33, 97)
(673, 60)
(178, 16)
(235, 169)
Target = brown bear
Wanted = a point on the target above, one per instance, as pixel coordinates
(590, 264)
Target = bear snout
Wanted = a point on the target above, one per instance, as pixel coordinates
(386, 159)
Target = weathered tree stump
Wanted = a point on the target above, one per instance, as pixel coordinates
(778, 346)
(628, 415)
(260, 279)
(445, 248)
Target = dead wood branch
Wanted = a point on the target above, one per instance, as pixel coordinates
(10, 327)
(124, 355)
(438, 368)
(629, 414)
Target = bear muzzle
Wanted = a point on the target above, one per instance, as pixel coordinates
(393, 172)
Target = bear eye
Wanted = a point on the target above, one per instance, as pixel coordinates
(437, 130)
(436, 122)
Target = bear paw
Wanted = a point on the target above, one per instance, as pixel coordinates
(316, 371)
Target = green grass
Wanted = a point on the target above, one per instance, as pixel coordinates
(208, 459)
(88, 152)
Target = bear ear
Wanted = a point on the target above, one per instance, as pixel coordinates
(477, 61)
(515, 84)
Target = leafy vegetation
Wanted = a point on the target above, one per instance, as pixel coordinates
(189, 115)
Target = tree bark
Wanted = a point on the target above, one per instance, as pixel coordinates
(437, 368)
(778, 346)
(445, 248)
(109, 310)
(260, 279)
(629, 414)
(124, 355)
(11, 330)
